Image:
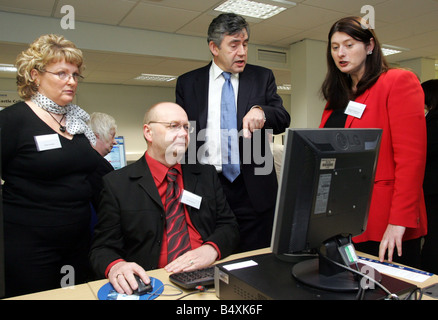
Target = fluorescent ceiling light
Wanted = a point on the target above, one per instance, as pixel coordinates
(389, 50)
(155, 77)
(286, 87)
(7, 67)
(251, 8)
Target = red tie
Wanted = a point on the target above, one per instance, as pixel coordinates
(178, 240)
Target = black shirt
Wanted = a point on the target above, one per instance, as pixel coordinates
(337, 119)
(44, 188)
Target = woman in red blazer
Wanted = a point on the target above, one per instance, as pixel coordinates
(393, 100)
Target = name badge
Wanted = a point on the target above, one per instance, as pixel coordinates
(191, 199)
(355, 109)
(47, 142)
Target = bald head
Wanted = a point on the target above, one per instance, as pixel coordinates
(160, 109)
(164, 128)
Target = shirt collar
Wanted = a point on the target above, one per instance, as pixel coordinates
(217, 72)
(159, 170)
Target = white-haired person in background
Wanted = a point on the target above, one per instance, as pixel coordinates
(104, 127)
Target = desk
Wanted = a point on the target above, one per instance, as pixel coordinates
(88, 291)
(78, 292)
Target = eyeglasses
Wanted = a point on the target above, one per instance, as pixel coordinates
(176, 126)
(64, 76)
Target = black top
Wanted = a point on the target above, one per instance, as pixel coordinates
(430, 184)
(337, 119)
(43, 188)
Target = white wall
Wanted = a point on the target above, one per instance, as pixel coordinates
(308, 70)
(127, 104)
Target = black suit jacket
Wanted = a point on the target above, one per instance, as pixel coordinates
(132, 220)
(256, 87)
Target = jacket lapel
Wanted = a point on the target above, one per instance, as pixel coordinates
(243, 95)
(201, 92)
(190, 178)
(142, 174)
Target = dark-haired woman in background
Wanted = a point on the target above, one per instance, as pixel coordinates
(429, 254)
(390, 99)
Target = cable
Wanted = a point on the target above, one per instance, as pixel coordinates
(419, 297)
(390, 295)
(199, 289)
(154, 293)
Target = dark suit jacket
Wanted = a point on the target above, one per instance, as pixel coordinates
(256, 87)
(131, 215)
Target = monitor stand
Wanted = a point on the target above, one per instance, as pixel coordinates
(323, 273)
(297, 256)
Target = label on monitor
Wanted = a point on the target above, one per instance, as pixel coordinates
(348, 254)
(327, 164)
(322, 197)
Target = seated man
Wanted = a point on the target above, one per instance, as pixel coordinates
(133, 234)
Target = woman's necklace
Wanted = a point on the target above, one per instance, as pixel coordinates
(61, 127)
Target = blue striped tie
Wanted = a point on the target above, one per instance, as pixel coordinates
(229, 135)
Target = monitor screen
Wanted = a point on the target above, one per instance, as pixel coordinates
(325, 187)
(2, 249)
(117, 156)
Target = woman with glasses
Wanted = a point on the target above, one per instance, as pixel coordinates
(47, 160)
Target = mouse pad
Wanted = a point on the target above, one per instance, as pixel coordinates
(107, 292)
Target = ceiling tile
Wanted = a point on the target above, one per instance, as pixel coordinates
(97, 11)
(40, 7)
(405, 23)
(152, 17)
(194, 5)
(394, 11)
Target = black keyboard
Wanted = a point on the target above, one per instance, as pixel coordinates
(192, 279)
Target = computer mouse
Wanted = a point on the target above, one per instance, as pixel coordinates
(142, 287)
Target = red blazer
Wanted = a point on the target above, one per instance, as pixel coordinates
(395, 103)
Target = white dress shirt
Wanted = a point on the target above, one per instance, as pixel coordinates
(212, 152)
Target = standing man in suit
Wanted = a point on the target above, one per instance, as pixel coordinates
(134, 233)
(251, 191)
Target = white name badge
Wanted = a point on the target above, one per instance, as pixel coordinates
(47, 142)
(191, 199)
(355, 109)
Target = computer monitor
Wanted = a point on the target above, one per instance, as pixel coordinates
(117, 156)
(323, 199)
(2, 249)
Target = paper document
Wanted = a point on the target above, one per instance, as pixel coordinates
(397, 270)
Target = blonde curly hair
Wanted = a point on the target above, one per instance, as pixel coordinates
(47, 49)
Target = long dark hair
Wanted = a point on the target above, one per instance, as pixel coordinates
(337, 86)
